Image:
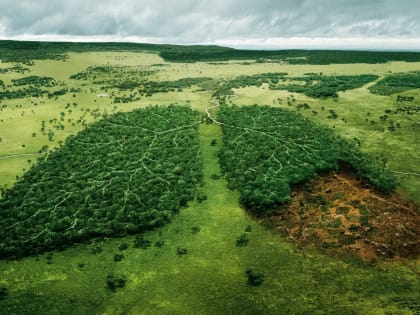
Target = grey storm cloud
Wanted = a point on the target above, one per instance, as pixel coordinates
(189, 21)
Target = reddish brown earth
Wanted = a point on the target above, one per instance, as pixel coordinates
(339, 215)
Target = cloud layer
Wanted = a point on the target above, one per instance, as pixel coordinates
(244, 23)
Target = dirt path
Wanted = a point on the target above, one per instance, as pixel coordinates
(4, 157)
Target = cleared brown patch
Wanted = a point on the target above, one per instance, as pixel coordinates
(339, 215)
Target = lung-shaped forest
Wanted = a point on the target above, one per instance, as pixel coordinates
(132, 171)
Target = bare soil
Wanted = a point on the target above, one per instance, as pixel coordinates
(341, 216)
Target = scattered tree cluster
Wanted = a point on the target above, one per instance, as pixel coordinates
(16, 68)
(321, 86)
(148, 88)
(35, 81)
(32, 86)
(124, 174)
(224, 88)
(397, 83)
(122, 77)
(266, 150)
(313, 85)
(22, 93)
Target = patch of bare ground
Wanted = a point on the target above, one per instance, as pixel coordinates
(341, 216)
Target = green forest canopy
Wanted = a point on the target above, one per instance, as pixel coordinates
(266, 150)
(125, 174)
(397, 83)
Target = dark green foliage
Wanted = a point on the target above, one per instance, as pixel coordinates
(321, 86)
(151, 87)
(57, 93)
(121, 77)
(118, 257)
(16, 68)
(180, 251)
(317, 86)
(195, 229)
(22, 93)
(332, 115)
(397, 83)
(123, 246)
(203, 53)
(3, 293)
(266, 150)
(49, 258)
(225, 87)
(254, 278)
(140, 242)
(405, 98)
(97, 249)
(115, 282)
(122, 175)
(201, 196)
(412, 304)
(126, 99)
(35, 81)
(159, 244)
(126, 78)
(242, 240)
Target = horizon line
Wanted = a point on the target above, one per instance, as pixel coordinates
(274, 43)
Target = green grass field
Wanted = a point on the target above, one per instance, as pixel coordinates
(211, 277)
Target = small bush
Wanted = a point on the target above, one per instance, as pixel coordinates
(254, 278)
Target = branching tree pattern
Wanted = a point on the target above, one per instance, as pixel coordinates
(266, 150)
(125, 174)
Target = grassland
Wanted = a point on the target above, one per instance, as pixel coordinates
(211, 277)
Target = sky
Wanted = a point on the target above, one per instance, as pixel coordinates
(265, 24)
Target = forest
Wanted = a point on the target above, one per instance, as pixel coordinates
(397, 83)
(125, 174)
(321, 86)
(26, 52)
(267, 150)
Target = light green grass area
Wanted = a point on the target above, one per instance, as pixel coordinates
(210, 278)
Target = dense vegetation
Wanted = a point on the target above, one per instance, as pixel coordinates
(266, 150)
(22, 93)
(16, 69)
(114, 75)
(313, 85)
(397, 83)
(34, 80)
(125, 174)
(289, 56)
(19, 51)
(31, 86)
(224, 88)
(321, 86)
(150, 87)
